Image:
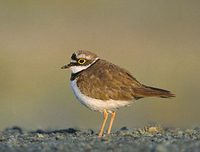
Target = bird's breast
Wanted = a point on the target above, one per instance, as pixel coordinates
(97, 104)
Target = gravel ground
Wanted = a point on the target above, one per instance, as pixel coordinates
(150, 139)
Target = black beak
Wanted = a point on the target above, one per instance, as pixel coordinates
(66, 66)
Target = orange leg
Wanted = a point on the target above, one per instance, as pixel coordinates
(111, 122)
(105, 116)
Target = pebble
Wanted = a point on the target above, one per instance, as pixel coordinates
(150, 138)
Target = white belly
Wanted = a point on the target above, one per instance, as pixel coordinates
(96, 104)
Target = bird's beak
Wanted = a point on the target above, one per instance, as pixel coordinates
(66, 66)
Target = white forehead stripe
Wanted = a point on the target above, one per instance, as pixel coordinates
(73, 61)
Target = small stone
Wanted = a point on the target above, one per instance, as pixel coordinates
(180, 133)
(123, 128)
(40, 135)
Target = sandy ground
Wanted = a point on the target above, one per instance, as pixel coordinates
(150, 139)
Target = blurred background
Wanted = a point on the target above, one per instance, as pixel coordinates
(158, 41)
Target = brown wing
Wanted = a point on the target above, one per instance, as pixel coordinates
(105, 81)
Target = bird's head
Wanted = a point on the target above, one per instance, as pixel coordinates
(81, 60)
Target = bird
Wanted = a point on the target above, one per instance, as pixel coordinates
(105, 87)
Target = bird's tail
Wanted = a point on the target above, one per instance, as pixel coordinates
(146, 91)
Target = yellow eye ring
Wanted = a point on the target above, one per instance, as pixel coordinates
(81, 61)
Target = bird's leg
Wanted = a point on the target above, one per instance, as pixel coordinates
(111, 122)
(105, 116)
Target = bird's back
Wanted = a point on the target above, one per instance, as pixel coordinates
(107, 81)
(104, 80)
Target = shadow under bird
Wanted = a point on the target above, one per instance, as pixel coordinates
(103, 86)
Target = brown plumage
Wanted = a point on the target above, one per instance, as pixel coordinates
(104, 80)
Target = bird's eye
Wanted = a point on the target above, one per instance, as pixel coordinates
(81, 61)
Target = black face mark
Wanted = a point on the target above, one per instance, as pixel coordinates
(73, 57)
